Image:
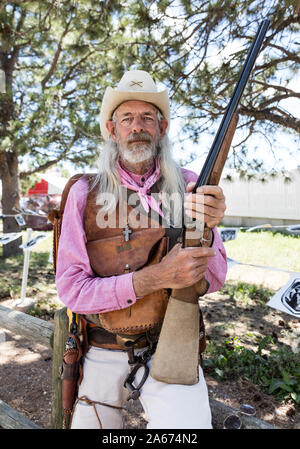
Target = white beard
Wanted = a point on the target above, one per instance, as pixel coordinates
(140, 152)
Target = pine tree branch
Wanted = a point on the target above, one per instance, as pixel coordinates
(267, 114)
(272, 63)
(56, 56)
(276, 87)
(42, 167)
(276, 99)
(73, 67)
(292, 56)
(48, 164)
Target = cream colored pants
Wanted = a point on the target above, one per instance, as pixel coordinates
(167, 406)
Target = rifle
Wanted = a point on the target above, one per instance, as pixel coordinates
(176, 359)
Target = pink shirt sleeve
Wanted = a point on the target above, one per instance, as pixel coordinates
(77, 286)
(217, 266)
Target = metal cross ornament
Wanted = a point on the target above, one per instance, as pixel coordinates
(127, 233)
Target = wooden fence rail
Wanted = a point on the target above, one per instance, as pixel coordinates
(11, 419)
(54, 337)
(35, 329)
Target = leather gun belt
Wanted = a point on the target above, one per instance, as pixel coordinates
(95, 335)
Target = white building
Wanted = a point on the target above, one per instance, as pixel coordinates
(253, 202)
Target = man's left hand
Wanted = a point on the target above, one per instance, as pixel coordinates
(207, 205)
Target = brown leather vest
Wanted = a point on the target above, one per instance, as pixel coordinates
(136, 240)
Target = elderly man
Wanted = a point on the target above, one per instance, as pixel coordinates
(118, 273)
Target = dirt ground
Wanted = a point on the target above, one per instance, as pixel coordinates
(26, 368)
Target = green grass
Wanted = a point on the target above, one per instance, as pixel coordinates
(277, 372)
(266, 248)
(245, 291)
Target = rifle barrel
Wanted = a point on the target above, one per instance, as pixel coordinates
(233, 104)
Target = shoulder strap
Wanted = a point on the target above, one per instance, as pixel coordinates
(55, 215)
(66, 191)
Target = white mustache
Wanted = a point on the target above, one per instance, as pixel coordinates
(139, 137)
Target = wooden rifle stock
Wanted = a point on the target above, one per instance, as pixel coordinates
(176, 359)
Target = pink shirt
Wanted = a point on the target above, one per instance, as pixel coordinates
(78, 287)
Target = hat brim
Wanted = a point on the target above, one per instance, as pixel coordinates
(113, 98)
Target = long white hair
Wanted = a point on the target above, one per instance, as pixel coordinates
(108, 182)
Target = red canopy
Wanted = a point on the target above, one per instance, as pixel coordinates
(39, 188)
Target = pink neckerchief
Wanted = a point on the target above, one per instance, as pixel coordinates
(146, 199)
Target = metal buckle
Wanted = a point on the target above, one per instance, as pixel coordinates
(136, 362)
(134, 392)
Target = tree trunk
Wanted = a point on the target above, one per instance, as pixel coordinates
(8, 157)
(10, 199)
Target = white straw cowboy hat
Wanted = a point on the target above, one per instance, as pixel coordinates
(134, 85)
